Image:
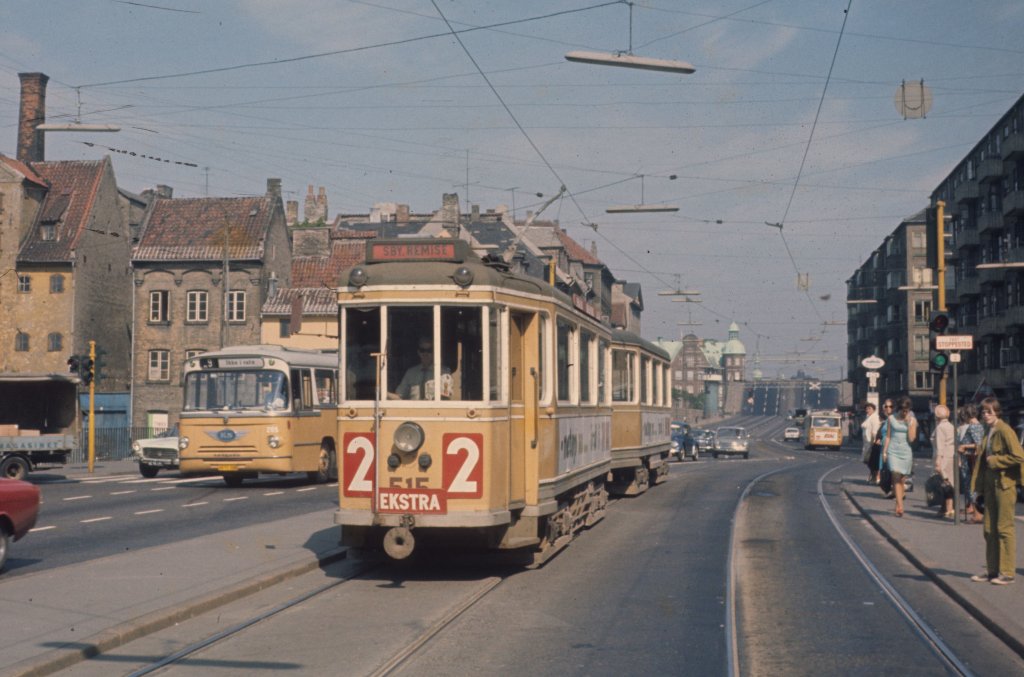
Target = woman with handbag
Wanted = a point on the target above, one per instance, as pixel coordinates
(970, 433)
(998, 472)
(869, 448)
(943, 438)
(897, 454)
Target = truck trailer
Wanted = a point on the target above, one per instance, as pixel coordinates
(40, 424)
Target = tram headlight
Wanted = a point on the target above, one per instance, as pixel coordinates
(408, 437)
(357, 277)
(182, 443)
(273, 441)
(463, 276)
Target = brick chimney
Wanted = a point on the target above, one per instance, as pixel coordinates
(291, 212)
(274, 188)
(31, 115)
(402, 213)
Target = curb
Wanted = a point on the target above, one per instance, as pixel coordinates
(128, 631)
(970, 607)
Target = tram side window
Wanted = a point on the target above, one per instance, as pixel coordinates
(563, 357)
(362, 340)
(326, 386)
(602, 372)
(494, 354)
(586, 345)
(656, 378)
(542, 337)
(623, 368)
(645, 370)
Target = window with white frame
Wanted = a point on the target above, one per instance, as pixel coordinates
(24, 284)
(236, 306)
(159, 365)
(158, 306)
(197, 306)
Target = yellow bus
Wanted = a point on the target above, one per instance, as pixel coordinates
(823, 430)
(260, 409)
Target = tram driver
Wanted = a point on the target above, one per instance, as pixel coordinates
(418, 383)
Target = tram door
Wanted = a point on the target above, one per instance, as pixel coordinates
(524, 373)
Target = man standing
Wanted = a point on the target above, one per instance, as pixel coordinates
(418, 383)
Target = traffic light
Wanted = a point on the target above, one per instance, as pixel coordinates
(75, 365)
(938, 324)
(87, 370)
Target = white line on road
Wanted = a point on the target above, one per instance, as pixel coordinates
(149, 512)
(96, 519)
(236, 498)
(192, 505)
(105, 479)
(273, 493)
(314, 488)
(163, 489)
(32, 531)
(76, 498)
(187, 480)
(122, 493)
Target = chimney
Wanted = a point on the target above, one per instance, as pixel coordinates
(164, 191)
(402, 213)
(32, 114)
(274, 188)
(291, 212)
(309, 209)
(474, 213)
(321, 204)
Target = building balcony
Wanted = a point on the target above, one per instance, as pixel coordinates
(992, 276)
(992, 325)
(967, 190)
(1013, 203)
(1015, 316)
(990, 220)
(1013, 146)
(968, 286)
(990, 169)
(966, 237)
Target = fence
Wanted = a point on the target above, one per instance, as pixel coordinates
(112, 443)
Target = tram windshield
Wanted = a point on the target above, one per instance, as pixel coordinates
(429, 352)
(236, 390)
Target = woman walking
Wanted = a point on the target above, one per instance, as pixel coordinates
(869, 449)
(943, 437)
(901, 428)
(998, 472)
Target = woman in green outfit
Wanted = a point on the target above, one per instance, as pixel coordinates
(997, 472)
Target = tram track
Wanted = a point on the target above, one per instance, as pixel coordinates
(919, 627)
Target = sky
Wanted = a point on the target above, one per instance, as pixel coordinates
(789, 119)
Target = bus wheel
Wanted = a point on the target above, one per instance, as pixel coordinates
(14, 468)
(324, 465)
(233, 479)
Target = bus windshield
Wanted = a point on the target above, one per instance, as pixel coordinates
(824, 421)
(236, 390)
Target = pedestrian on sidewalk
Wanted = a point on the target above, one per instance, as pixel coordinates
(943, 438)
(997, 473)
(870, 448)
(969, 435)
(901, 428)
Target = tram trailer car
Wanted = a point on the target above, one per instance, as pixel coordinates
(475, 406)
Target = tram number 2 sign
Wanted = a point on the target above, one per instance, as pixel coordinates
(462, 466)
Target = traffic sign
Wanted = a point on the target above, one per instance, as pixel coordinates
(873, 362)
(954, 342)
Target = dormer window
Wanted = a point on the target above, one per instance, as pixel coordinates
(48, 232)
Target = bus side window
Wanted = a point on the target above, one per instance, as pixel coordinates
(326, 387)
(302, 388)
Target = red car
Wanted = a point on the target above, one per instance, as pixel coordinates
(19, 508)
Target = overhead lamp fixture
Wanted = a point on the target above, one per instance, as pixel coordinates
(76, 127)
(643, 208)
(678, 292)
(852, 302)
(1000, 266)
(626, 60)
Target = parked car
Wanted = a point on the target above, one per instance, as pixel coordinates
(19, 509)
(158, 452)
(732, 440)
(791, 434)
(705, 439)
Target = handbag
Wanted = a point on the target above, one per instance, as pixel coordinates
(885, 479)
(934, 490)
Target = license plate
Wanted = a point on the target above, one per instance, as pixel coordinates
(226, 468)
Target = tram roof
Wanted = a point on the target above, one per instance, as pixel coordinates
(623, 336)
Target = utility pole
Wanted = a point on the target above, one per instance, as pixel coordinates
(940, 248)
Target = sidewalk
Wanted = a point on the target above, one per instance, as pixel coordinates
(948, 554)
(56, 618)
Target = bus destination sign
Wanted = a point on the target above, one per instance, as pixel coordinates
(416, 250)
(231, 362)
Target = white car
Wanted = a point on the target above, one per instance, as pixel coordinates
(155, 453)
(791, 434)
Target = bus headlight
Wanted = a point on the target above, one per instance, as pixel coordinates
(408, 437)
(273, 441)
(182, 443)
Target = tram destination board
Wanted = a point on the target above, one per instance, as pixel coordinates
(415, 250)
(955, 342)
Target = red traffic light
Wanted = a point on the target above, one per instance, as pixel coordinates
(940, 322)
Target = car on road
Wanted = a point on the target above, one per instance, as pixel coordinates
(156, 453)
(705, 439)
(731, 440)
(19, 509)
(684, 445)
(791, 434)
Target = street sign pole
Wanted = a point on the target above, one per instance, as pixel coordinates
(955, 359)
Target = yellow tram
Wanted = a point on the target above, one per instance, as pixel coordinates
(477, 405)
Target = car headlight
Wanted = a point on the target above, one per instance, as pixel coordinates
(273, 441)
(182, 443)
(136, 447)
(675, 444)
(408, 437)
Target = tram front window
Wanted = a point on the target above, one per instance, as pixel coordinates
(236, 391)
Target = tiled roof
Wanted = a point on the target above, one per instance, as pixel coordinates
(68, 206)
(575, 250)
(315, 301)
(193, 229)
(323, 271)
(23, 169)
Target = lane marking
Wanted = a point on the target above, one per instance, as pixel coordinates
(148, 512)
(236, 498)
(193, 505)
(96, 519)
(191, 480)
(34, 530)
(75, 498)
(122, 493)
(163, 489)
(306, 489)
(105, 480)
(273, 493)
